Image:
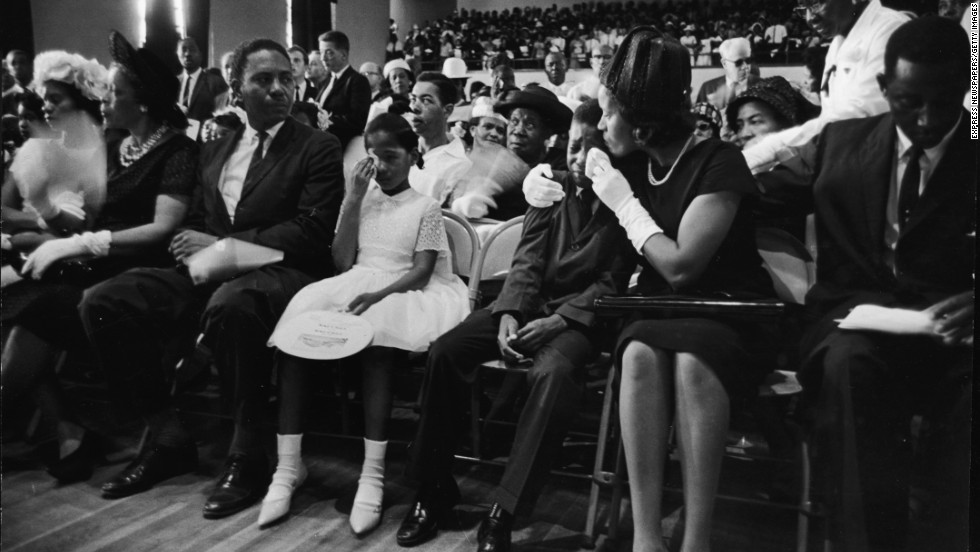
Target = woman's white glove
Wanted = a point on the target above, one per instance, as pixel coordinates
(614, 191)
(539, 189)
(90, 243)
(50, 252)
(71, 203)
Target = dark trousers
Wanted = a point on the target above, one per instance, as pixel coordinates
(136, 320)
(555, 381)
(864, 388)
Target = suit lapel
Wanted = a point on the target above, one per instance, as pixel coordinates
(341, 82)
(321, 96)
(945, 179)
(876, 160)
(196, 92)
(213, 174)
(277, 150)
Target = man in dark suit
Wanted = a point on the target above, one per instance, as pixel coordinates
(569, 254)
(274, 183)
(736, 60)
(895, 200)
(198, 87)
(347, 93)
(299, 60)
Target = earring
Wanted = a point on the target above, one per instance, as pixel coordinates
(143, 109)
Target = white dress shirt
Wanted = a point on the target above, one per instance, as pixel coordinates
(850, 86)
(333, 80)
(183, 85)
(442, 167)
(236, 168)
(927, 165)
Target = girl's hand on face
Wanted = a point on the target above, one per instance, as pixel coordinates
(364, 171)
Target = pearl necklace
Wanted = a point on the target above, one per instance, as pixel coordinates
(130, 153)
(653, 181)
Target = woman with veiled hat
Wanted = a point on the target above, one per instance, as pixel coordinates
(684, 203)
(150, 177)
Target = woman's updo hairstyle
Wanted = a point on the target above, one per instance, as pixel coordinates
(649, 77)
(398, 127)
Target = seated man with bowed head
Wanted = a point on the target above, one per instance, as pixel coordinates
(569, 254)
(895, 199)
(274, 183)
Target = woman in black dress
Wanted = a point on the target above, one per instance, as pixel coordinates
(684, 203)
(151, 174)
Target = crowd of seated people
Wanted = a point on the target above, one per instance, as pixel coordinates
(110, 189)
(775, 29)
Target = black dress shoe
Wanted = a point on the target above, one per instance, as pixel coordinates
(431, 505)
(155, 463)
(79, 465)
(494, 532)
(242, 483)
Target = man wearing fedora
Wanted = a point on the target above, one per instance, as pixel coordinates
(533, 115)
(569, 254)
(274, 183)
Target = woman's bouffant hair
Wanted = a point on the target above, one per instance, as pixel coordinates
(649, 77)
(398, 127)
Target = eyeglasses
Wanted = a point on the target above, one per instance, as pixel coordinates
(739, 62)
(805, 7)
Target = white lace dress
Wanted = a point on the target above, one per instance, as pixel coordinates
(392, 229)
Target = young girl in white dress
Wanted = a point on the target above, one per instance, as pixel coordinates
(393, 265)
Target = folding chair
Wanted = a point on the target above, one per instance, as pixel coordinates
(492, 265)
(464, 244)
(791, 268)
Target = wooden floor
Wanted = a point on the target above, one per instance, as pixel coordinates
(39, 516)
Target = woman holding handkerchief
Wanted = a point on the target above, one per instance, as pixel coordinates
(392, 257)
(683, 201)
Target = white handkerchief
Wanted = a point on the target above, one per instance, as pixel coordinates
(883, 319)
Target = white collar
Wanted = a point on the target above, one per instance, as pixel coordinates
(194, 74)
(341, 72)
(251, 133)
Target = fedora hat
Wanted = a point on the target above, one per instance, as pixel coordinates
(158, 87)
(541, 100)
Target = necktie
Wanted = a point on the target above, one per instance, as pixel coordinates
(908, 190)
(186, 97)
(256, 156)
(296, 93)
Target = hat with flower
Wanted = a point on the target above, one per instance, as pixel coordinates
(86, 75)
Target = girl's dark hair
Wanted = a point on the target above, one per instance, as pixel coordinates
(92, 107)
(398, 127)
(32, 102)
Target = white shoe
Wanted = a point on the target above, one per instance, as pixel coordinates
(275, 505)
(365, 515)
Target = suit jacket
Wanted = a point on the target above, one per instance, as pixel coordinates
(348, 103)
(291, 203)
(934, 256)
(207, 89)
(714, 91)
(559, 270)
(311, 92)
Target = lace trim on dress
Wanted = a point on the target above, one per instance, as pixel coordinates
(432, 231)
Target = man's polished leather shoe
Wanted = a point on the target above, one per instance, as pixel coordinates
(154, 464)
(242, 483)
(422, 521)
(494, 532)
